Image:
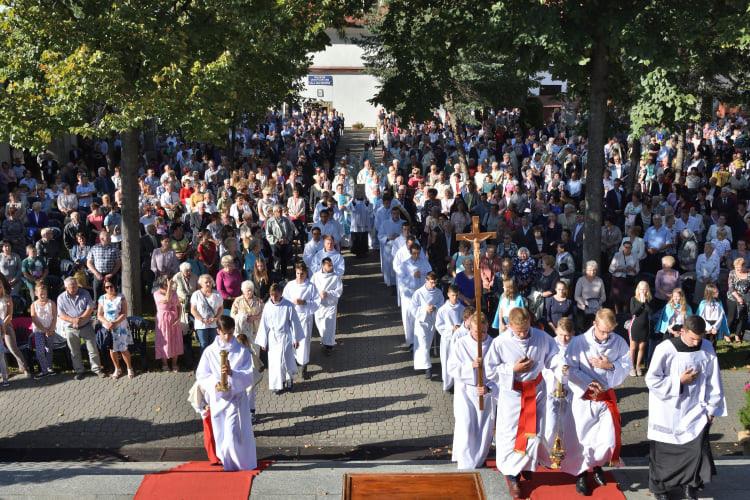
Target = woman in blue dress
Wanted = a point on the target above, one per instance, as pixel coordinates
(112, 313)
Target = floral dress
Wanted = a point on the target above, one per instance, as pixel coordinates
(121, 336)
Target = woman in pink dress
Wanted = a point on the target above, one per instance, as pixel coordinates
(168, 326)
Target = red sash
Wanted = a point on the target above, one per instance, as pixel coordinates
(527, 415)
(609, 398)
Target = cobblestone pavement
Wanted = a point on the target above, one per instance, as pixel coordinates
(365, 395)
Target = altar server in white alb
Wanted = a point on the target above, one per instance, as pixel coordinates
(280, 332)
(329, 251)
(329, 287)
(389, 230)
(401, 250)
(598, 362)
(303, 294)
(559, 419)
(231, 418)
(449, 319)
(425, 302)
(514, 363)
(685, 395)
(411, 276)
(473, 429)
(312, 247)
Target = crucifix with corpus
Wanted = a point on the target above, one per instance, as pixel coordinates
(477, 237)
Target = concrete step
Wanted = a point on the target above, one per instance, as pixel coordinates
(287, 480)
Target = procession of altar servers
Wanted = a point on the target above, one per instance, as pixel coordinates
(587, 425)
(523, 414)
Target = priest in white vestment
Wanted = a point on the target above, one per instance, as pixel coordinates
(389, 230)
(598, 362)
(303, 294)
(279, 332)
(231, 418)
(514, 363)
(448, 319)
(329, 287)
(425, 303)
(685, 395)
(473, 429)
(411, 276)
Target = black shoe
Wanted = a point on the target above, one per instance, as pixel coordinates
(278, 393)
(305, 376)
(513, 488)
(689, 493)
(79, 376)
(527, 475)
(39, 375)
(428, 373)
(328, 350)
(661, 496)
(582, 485)
(599, 476)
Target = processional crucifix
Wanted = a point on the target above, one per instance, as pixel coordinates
(477, 237)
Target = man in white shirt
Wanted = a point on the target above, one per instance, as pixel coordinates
(707, 268)
(685, 395)
(692, 222)
(714, 229)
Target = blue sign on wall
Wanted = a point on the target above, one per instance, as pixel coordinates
(319, 80)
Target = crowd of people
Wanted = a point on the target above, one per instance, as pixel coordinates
(249, 241)
(220, 233)
(673, 281)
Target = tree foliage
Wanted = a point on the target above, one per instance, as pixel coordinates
(659, 57)
(433, 53)
(93, 67)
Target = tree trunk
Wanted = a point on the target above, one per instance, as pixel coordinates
(131, 237)
(456, 125)
(635, 163)
(595, 165)
(679, 158)
(149, 139)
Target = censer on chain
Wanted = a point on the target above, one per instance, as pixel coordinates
(223, 384)
(557, 453)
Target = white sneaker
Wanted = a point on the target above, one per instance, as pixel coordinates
(632, 372)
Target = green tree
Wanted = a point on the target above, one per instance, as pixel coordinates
(94, 67)
(433, 53)
(610, 53)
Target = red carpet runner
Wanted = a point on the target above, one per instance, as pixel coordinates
(548, 484)
(198, 480)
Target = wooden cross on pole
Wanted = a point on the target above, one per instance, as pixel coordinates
(477, 237)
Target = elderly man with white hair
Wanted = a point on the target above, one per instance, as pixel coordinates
(279, 234)
(185, 284)
(74, 311)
